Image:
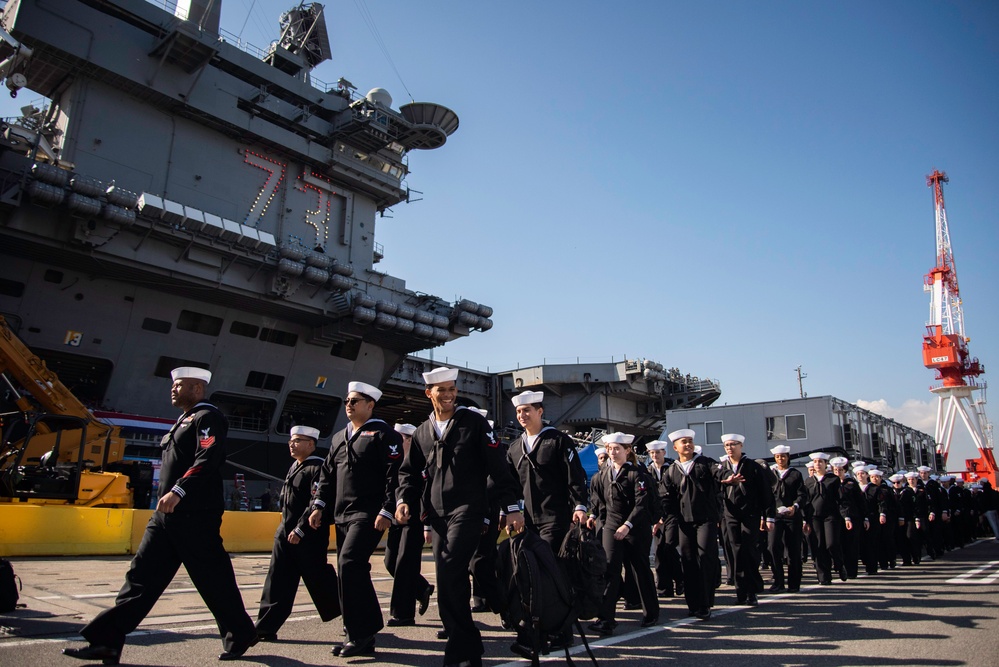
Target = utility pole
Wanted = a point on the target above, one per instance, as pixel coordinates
(801, 376)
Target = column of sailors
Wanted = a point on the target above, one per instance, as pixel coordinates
(450, 480)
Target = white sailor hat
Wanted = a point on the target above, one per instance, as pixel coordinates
(975, 487)
(405, 429)
(911, 475)
(934, 477)
(527, 398)
(924, 469)
(810, 464)
(874, 472)
(442, 374)
(481, 411)
(723, 458)
(600, 451)
(839, 461)
(364, 388)
(871, 467)
(733, 436)
(697, 449)
(617, 438)
(682, 433)
(307, 431)
(897, 477)
(859, 464)
(192, 372)
(657, 445)
(780, 449)
(959, 480)
(815, 456)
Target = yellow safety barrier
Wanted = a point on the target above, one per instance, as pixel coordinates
(36, 530)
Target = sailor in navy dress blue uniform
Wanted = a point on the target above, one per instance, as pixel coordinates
(694, 480)
(184, 529)
(551, 477)
(359, 478)
(299, 552)
(621, 500)
(453, 465)
(669, 572)
(403, 560)
(748, 508)
(825, 515)
(785, 539)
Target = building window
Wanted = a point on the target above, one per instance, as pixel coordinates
(796, 427)
(788, 427)
(11, 288)
(713, 432)
(776, 428)
(199, 323)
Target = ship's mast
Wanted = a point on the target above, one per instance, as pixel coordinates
(945, 345)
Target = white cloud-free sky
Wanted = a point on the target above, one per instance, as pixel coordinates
(731, 188)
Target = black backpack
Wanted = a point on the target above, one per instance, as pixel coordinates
(536, 594)
(585, 563)
(9, 584)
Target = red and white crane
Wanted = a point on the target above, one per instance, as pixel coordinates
(945, 350)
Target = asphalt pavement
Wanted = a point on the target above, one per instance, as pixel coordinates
(939, 613)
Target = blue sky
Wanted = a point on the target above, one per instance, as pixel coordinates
(731, 188)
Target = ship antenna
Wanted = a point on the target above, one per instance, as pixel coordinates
(369, 20)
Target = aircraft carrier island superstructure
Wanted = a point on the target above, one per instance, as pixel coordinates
(183, 201)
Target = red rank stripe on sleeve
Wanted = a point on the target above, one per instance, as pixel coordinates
(207, 442)
(192, 471)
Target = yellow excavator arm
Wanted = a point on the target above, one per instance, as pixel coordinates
(54, 457)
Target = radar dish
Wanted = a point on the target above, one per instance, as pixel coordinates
(431, 123)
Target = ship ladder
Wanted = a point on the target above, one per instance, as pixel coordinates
(244, 501)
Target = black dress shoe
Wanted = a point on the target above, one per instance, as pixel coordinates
(703, 614)
(522, 650)
(793, 590)
(480, 607)
(752, 602)
(106, 654)
(337, 647)
(843, 576)
(424, 600)
(561, 642)
(649, 621)
(237, 652)
(400, 622)
(266, 636)
(664, 594)
(361, 647)
(776, 588)
(442, 634)
(632, 606)
(605, 628)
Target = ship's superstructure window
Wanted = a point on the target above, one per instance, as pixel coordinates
(199, 323)
(278, 336)
(786, 427)
(266, 381)
(167, 364)
(11, 288)
(52, 276)
(245, 413)
(243, 329)
(713, 432)
(159, 326)
(313, 410)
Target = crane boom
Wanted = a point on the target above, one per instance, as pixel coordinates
(945, 348)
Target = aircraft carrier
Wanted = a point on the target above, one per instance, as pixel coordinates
(186, 199)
